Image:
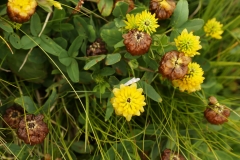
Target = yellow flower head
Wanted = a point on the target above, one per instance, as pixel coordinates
(188, 43)
(55, 4)
(146, 22)
(213, 29)
(192, 81)
(128, 101)
(21, 10)
(130, 22)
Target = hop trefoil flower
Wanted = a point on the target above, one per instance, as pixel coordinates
(192, 81)
(145, 22)
(21, 10)
(130, 22)
(213, 28)
(128, 101)
(188, 43)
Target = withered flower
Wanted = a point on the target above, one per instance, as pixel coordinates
(174, 65)
(216, 113)
(97, 48)
(32, 130)
(162, 8)
(129, 2)
(136, 42)
(170, 155)
(13, 116)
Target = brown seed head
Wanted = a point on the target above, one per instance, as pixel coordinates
(32, 130)
(163, 9)
(13, 116)
(97, 48)
(174, 65)
(136, 42)
(170, 155)
(217, 114)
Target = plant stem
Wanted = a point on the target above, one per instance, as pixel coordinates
(29, 52)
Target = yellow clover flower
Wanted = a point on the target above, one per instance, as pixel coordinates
(130, 22)
(21, 10)
(128, 101)
(47, 4)
(213, 29)
(192, 81)
(57, 4)
(188, 43)
(146, 22)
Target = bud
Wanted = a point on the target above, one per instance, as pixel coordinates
(21, 10)
(136, 42)
(162, 8)
(212, 101)
(174, 65)
(97, 48)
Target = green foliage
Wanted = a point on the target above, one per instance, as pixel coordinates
(51, 66)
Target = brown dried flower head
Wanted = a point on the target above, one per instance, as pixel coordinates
(170, 155)
(174, 65)
(136, 42)
(129, 2)
(97, 48)
(13, 116)
(216, 113)
(162, 8)
(32, 130)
